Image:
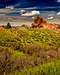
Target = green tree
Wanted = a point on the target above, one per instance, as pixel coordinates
(8, 25)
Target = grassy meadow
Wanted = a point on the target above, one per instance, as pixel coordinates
(29, 51)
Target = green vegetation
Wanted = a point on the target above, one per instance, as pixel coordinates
(52, 68)
(23, 37)
(28, 51)
(8, 25)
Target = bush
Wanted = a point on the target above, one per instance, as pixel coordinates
(8, 25)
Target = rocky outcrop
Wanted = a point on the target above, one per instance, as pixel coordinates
(40, 22)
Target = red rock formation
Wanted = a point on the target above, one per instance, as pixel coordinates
(38, 22)
(42, 23)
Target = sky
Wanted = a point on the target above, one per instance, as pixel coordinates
(29, 3)
(58, 0)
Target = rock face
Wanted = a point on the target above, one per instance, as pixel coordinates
(39, 22)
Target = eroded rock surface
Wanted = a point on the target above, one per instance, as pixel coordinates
(40, 22)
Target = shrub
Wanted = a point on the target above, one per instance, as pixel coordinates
(8, 25)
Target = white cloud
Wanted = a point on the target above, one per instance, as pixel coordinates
(58, 0)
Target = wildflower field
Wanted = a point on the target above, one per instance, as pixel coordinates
(29, 51)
